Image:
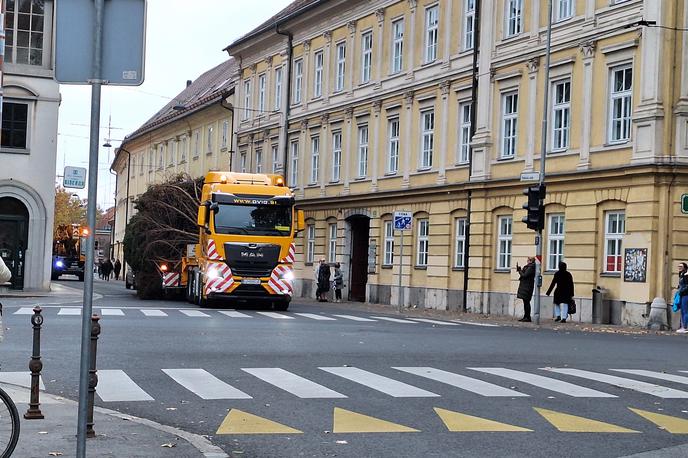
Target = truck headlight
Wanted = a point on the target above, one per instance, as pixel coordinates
(59, 264)
(289, 275)
(213, 273)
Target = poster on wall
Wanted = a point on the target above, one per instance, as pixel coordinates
(635, 265)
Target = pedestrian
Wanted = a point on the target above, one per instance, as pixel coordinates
(107, 269)
(683, 293)
(526, 283)
(324, 275)
(118, 269)
(5, 276)
(100, 269)
(338, 282)
(563, 295)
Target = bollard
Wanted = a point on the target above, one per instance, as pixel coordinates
(92, 375)
(35, 366)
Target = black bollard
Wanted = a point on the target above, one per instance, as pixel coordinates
(92, 375)
(35, 366)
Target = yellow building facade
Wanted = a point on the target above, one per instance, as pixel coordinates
(190, 135)
(377, 101)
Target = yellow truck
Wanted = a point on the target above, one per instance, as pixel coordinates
(245, 251)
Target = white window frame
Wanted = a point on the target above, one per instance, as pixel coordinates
(243, 162)
(225, 134)
(332, 242)
(298, 80)
(315, 158)
(397, 63)
(336, 156)
(513, 18)
(624, 100)
(262, 81)
(561, 115)
(459, 242)
(161, 156)
(613, 238)
(171, 150)
(278, 88)
(556, 227)
(464, 148)
(366, 56)
(423, 243)
(318, 60)
(310, 243)
(363, 137)
(151, 160)
(210, 140)
(184, 148)
(341, 67)
(509, 125)
(468, 24)
(197, 143)
(247, 100)
(294, 158)
(427, 143)
(432, 24)
(393, 131)
(275, 157)
(388, 245)
(259, 161)
(505, 226)
(563, 9)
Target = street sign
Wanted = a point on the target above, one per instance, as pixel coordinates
(124, 34)
(684, 203)
(530, 176)
(402, 221)
(74, 177)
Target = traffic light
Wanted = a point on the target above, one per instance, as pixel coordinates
(536, 211)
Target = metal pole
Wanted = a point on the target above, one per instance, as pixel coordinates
(543, 154)
(91, 221)
(126, 212)
(35, 366)
(93, 375)
(401, 269)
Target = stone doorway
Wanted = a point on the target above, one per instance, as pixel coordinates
(359, 226)
(14, 233)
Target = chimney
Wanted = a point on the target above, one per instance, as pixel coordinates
(188, 83)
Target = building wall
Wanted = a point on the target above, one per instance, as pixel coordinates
(592, 175)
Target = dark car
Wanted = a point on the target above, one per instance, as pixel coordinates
(130, 279)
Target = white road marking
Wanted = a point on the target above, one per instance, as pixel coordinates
(426, 320)
(293, 383)
(465, 383)
(153, 312)
(643, 387)
(20, 379)
(547, 383)
(314, 316)
(194, 313)
(204, 384)
(24, 311)
(278, 316)
(473, 323)
(115, 386)
(657, 375)
(377, 382)
(393, 320)
(233, 314)
(354, 318)
(69, 311)
(111, 312)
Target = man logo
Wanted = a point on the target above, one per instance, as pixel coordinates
(251, 254)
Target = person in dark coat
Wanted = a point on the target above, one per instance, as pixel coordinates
(117, 268)
(563, 295)
(526, 284)
(107, 269)
(338, 282)
(324, 275)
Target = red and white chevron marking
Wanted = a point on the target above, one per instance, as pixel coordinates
(222, 282)
(170, 279)
(278, 283)
(212, 250)
(291, 256)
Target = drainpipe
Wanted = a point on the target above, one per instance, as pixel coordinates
(230, 108)
(111, 251)
(286, 102)
(474, 109)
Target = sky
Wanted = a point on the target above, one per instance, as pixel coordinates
(183, 40)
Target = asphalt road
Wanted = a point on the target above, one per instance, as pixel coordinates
(321, 380)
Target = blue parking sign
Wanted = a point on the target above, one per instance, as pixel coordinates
(403, 221)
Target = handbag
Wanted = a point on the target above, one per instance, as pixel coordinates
(572, 306)
(677, 301)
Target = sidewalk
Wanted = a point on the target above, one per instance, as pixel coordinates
(56, 290)
(117, 434)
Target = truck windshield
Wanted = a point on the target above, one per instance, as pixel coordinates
(272, 220)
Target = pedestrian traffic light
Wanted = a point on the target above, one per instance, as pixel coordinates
(536, 210)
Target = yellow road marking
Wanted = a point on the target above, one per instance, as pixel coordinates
(674, 425)
(239, 422)
(460, 422)
(572, 424)
(346, 421)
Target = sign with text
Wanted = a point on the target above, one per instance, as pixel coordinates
(403, 221)
(74, 177)
(530, 176)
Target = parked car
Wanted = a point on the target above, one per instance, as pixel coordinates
(130, 279)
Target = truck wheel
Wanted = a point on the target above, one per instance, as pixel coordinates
(280, 306)
(81, 277)
(190, 286)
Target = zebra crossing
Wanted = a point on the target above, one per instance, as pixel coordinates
(156, 313)
(115, 385)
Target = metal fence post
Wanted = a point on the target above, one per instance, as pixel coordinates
(35, 366)
(92, 375)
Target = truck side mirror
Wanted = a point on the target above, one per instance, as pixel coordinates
(300, 221)
(202, 216)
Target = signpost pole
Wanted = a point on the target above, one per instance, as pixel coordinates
(401, 269)
(91, 221)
